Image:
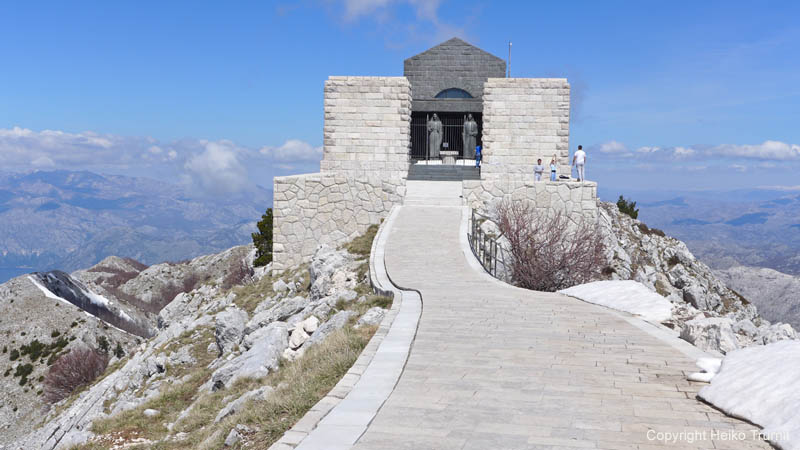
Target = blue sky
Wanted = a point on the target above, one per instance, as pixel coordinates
(224, 96)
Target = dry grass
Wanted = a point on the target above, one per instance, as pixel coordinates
(362, 245)
(248, 297)
(299, 385)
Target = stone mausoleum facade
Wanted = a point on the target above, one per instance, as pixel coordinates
(374, 133)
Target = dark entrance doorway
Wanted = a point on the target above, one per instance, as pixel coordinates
(452, 125)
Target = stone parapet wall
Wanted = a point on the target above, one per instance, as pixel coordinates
(575, 199)
(367, 126)
(320, 208)
(524, 119)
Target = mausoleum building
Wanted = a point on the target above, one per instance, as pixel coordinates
(381, 137)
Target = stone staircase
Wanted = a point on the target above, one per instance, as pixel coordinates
(433, 193)
(443, 172)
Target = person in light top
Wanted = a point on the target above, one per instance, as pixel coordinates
(538, 170)
(553, 169)
(579, 161)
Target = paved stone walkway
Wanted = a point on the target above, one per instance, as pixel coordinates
(496, 367)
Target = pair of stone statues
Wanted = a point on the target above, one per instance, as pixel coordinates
(469, 136)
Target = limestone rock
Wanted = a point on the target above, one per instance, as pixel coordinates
(236, 405)
(777, 332)
(298, 337)
(373, 316)
(229, 329)
(262, 357)
(233, 438)
(279, 312)
(280, 287)
(151, 412)
(712, 333)
(311, 324)
(336, 322)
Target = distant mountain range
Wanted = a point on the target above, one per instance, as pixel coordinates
(67, 220)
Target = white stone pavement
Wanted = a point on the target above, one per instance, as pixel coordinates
(497, 367)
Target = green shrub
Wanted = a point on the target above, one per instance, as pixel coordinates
(263, 240)
(14, 354)
(118, 351)
(23, 370)
(627, 207)
(103, 345)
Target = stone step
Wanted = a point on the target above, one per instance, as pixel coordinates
(432, 201)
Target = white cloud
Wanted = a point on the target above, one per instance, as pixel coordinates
(293, 150)
(217, 170)
(426, 13)
(767, 151)
(214, 168)
(773, 150)
(738, 167)
(613, 147)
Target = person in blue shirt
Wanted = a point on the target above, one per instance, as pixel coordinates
(477, 156)
(553, 169)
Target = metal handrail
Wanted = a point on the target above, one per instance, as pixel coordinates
(487, 249)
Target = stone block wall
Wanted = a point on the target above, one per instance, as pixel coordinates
(329, 209)
(524, 119)
(451, 64)
(367, 126)
(575, 199)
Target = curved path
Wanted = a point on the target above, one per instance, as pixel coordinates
(497, 367)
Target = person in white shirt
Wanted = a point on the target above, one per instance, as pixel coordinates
(579, 161)
(553, 169)
(538, 170)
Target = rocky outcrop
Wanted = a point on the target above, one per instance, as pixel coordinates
(208, 333)
(705, 311)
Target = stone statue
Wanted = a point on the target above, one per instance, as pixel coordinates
(469, 135)
(434, 136)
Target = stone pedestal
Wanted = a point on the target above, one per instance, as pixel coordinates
(448, 156)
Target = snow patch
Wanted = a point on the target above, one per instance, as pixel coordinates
(709, 368)
(625, 295)
(759, 384)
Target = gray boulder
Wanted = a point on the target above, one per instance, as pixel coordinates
(262, 357)
(298, 337)
(777, 332)
(328, 271)
(258, 334)
(236, 405)
(278, 312)
(279, 287)
(229, 329)
(233, 438)
(713, 333)
(373, 316)
(336, 322)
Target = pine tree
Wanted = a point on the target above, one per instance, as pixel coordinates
(628, 207)
(263, 240)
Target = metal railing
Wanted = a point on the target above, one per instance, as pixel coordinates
(487, 249)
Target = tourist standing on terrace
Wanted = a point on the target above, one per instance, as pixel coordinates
(579, 161)
(538, 170)
(553, 169)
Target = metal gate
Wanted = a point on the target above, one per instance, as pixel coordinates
(452, 126)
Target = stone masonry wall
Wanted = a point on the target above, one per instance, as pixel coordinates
(326, 209)
(524, 119)
(575, 199)
(367, 126)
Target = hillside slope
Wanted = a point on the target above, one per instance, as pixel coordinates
(776, 294)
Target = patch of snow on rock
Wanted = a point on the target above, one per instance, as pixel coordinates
(624, 295)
